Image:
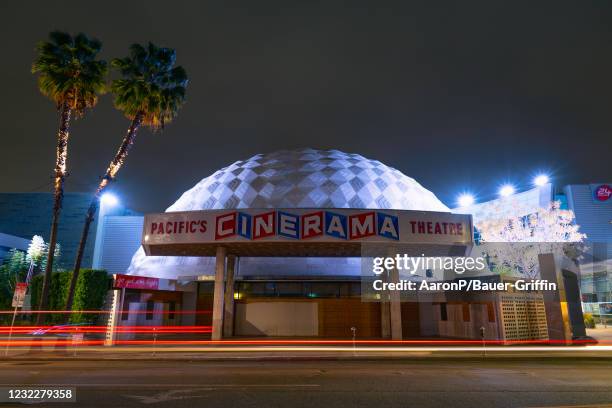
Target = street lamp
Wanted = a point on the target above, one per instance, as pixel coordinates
(506, 190)
(465, 200)
(109, 199)
(540, 180)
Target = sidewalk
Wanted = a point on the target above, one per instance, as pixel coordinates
(601, 332)
(283, 353)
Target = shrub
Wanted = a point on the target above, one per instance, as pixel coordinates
(589, 321)
(89, 294)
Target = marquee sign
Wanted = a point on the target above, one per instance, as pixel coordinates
(135, 282)
(306, 225)
(143, 282)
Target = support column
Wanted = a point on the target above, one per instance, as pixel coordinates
(555, 302)
(228, 315)
(217, 317)
(114, 315)
(396, 308)
(385, 319)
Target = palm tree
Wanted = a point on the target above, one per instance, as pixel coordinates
(150, 93)
(72, 77)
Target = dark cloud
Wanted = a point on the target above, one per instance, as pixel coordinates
(462, 95)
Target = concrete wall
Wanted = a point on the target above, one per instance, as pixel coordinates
(456, 327)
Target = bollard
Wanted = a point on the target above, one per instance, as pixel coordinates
(482, 336)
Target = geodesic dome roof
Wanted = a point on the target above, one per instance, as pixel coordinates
(308, 178)
(303, 178)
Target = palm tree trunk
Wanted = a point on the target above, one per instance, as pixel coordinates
(111, 172)
(60, 176)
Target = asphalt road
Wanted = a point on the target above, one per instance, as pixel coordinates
(426, 383)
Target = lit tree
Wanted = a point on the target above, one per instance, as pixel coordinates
(150, 93)
(72, 77)
(36, 251)
(516, 243)
(37, 254)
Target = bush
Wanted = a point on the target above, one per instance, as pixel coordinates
(589, 321)
(89, 294)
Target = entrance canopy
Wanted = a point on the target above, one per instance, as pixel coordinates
(300, 232)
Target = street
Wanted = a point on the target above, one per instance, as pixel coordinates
(295, 383)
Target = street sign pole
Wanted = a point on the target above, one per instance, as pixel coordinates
(18, 298)
(10, 332)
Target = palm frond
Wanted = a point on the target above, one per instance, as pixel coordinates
(151, 84)
(69, 71)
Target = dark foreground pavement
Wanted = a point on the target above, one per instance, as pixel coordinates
(323, 383)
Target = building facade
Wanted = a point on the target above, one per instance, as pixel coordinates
(274, 246)
(592, 206)
(24, 215)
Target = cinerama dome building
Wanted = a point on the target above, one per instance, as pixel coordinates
(304, 178)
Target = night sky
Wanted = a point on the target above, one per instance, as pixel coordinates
(458, 95)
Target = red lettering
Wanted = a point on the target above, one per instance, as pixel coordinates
(413, 223)
(226, 225)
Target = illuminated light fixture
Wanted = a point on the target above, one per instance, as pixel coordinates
(506, 190)
(109, 199)
(541, 180)
(465, 200)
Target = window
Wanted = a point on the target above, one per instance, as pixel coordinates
(443, 313)
(355, 289)
(129, 296)
(312, 289)
(289, 289)
(171, 309)
(270, 289)
(150, 309)
(324, 290)
(124, 312)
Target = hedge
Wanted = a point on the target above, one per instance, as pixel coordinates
(90, 292)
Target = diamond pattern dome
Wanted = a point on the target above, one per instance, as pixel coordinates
(308, 178)
(304, 178)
